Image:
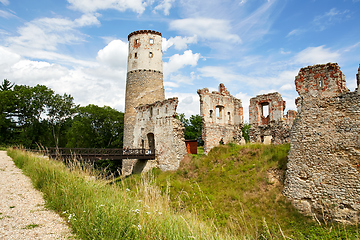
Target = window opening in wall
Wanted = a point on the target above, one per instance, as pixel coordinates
(320, 82)
(151, 41)
(150, 54)
(211, 112)
(158, 112)
(229, 116)
(135, 55)
(137, 41)
(166, 110)
(151, 112)
(142, 143)
(219, 111)
(265, 110)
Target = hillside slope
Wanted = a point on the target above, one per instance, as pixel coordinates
(239, 189)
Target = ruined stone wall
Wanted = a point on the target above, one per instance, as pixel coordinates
(142, 87)
(156, 124)
(272, 127)
(323, 171)
(222, 117)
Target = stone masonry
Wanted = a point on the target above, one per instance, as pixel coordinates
(222, 117)
(144, 82)
(149, 120)
(157, 128)
(267, 119)
(323, 171)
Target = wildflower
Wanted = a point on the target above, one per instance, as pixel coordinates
(136, 211)
(128, 190)
(159, 213)
(148, 212)
(138, 200)
(139, 226)
(101, 205)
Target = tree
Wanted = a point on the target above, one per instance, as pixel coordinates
(6, 85)
(245, 131)
(60, 108)
(193, 127)
(96, 127)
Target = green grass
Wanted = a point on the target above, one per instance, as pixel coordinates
(231, 187)
(99, 209)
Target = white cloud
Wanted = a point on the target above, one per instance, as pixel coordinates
(114, 54)
(329, 18)
(6, 14)
(206, 28)
(179, 43)
(221, 74)
(97, 84)
(189, 103)
(5, 2)
(47, 33)
(88, 20)
(165, 5)
(8, 58)
(177, 62)
(295, 32)
(287, 86)
(316, 55)
(137, 6)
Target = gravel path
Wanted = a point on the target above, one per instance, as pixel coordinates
(22, 212)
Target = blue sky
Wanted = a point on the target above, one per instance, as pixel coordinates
(252, 46)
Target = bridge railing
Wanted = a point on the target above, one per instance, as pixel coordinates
(99, 153)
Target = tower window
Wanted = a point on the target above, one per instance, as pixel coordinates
(150, 54)
(136, 55)
(137, 41)
(151, 41)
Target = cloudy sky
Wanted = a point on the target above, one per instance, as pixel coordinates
(79, 47)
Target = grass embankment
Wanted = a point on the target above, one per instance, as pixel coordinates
(98, 209)
(239, 189)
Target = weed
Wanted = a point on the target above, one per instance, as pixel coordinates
(31, 226)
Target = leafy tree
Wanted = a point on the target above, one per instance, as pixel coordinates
(96, 127)
(193, 127)
(245, 131)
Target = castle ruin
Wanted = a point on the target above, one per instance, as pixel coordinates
(323, 170)
(267, 119)
(145, 97)
(222, 117)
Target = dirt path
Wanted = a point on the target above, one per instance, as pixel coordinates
(22, 212)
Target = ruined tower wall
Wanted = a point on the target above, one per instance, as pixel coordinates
(323, 171)
(222, 117)
(158, 120)
(144, 82)
(273, 128)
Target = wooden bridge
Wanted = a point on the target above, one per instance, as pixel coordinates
(94, 154)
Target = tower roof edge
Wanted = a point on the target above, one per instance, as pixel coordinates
(143, 31)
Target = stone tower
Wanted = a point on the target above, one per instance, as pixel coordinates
(144, 81)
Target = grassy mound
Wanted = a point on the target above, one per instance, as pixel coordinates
(239, 189)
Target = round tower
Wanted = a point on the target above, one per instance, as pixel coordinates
(144, 81)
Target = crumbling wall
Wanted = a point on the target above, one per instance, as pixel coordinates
(267, 119)
(323, 170)
(157, 128)
(222, 117)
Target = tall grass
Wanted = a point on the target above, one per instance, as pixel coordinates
(99, 209)
(232, 187)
